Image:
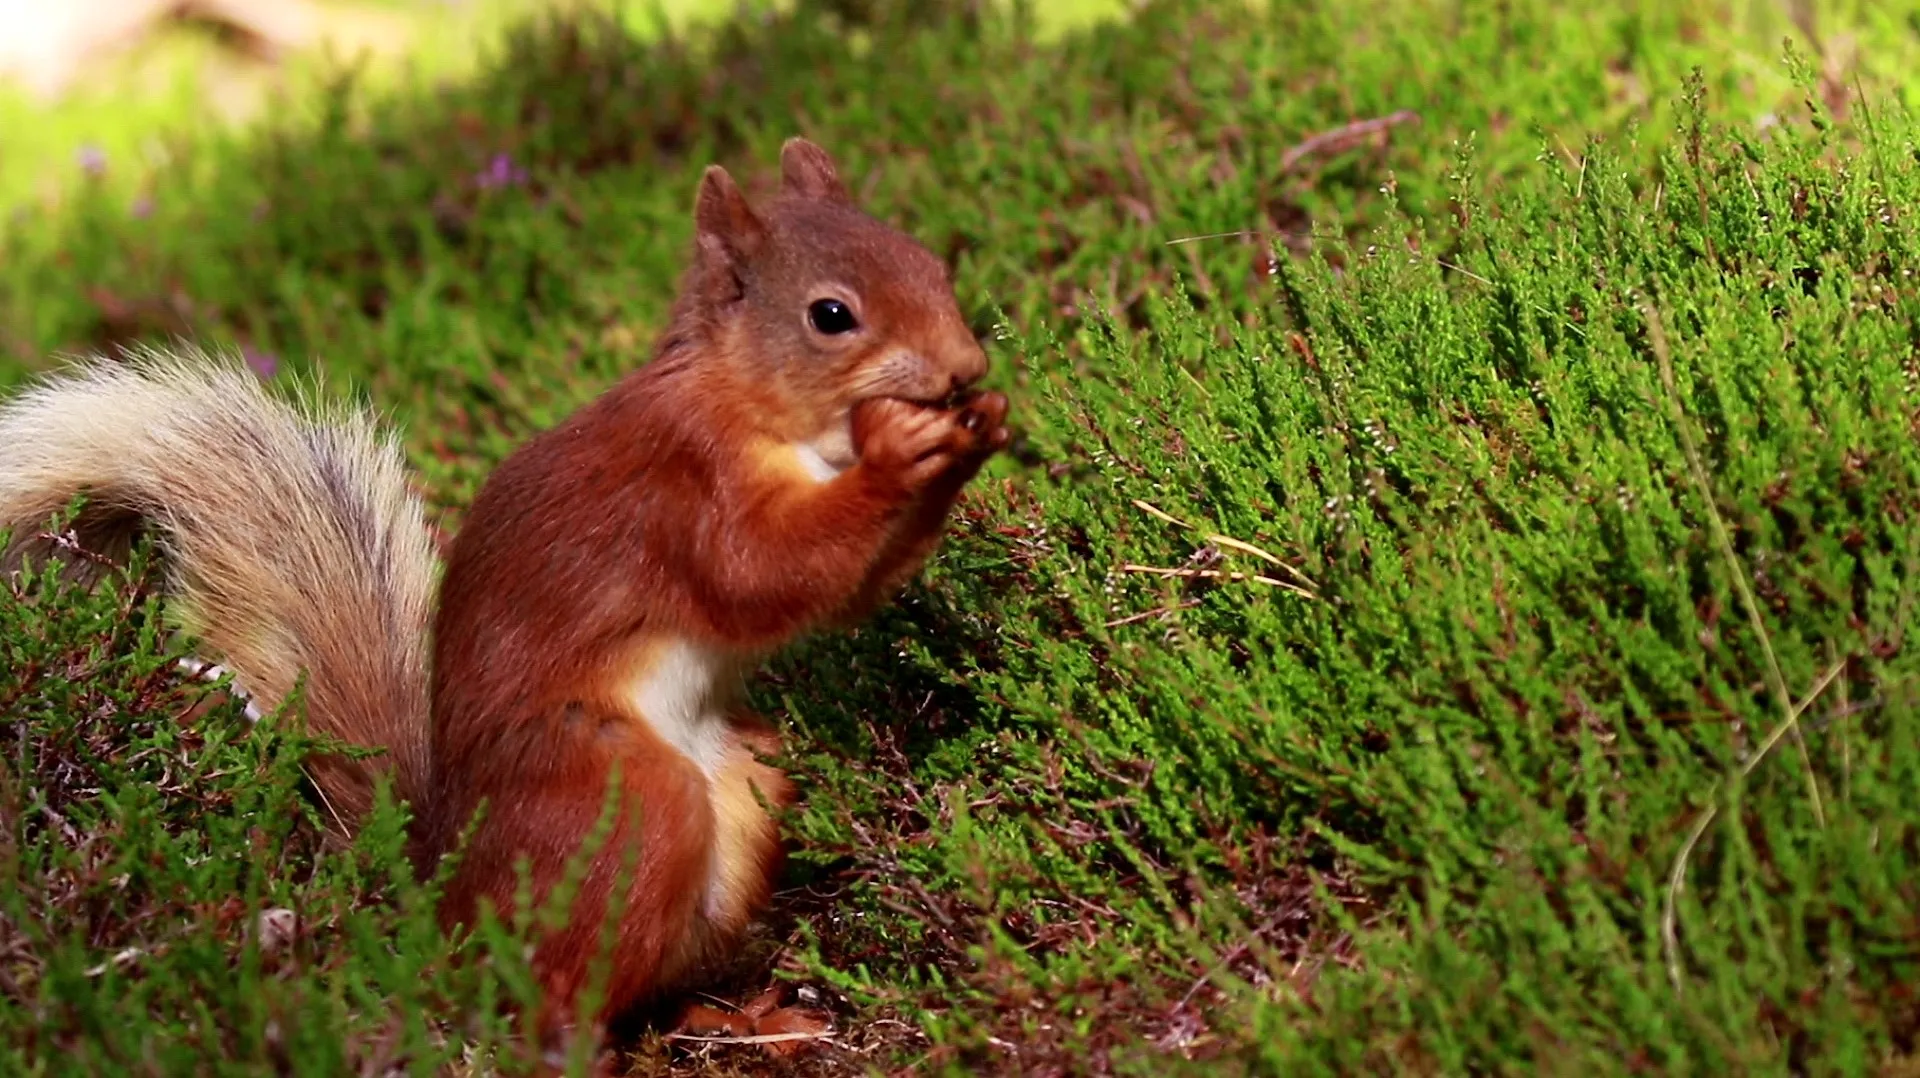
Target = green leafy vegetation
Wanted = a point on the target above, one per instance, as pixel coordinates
(169, 896)
(1445, 610)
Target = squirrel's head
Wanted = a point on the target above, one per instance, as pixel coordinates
(833, 305)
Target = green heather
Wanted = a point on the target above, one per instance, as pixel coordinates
(1445, 610)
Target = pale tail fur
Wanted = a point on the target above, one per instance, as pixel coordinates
(291, 538)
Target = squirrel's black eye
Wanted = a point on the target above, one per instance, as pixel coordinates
(831, 317)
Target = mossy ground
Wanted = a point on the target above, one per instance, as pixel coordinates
(1445, 610)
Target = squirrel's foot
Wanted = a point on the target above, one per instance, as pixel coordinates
(781, 1031)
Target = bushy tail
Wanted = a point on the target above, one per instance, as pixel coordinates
(291, 538)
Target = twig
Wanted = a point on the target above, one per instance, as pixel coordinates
(1345, 136)
(1778, 682)
(69, 542)
(1332, 140)
(1233, 953)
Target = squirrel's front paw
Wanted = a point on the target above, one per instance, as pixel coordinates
(984, 415)
(920, 444)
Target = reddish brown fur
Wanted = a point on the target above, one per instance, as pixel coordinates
(660, 512)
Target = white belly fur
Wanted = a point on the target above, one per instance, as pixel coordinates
(683, 695)
(816, 463)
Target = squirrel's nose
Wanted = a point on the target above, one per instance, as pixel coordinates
(969, 367)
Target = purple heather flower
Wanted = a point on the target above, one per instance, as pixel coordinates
(264, 364)
(93, 160)
(143, 207)
(501, 172)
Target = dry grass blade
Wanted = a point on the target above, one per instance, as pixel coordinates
(1218, 574)
(1156, 612)
(1677, 878)
(1149, 509)
(1657, 336)
(751, 1038)
(1305, 585)
(1462, 271)
(1231, 543)
(1216, 236)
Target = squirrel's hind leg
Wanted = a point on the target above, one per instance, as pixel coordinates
(659, 846)
(745, 791)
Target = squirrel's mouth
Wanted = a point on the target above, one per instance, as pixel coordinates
(914, 380)
(955, 397)
(958, 397)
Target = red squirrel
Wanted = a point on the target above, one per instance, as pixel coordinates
(785, 461)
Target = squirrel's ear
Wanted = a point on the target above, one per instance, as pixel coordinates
(728, 233)
(807, 171)
(723, 219)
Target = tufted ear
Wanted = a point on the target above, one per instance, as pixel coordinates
(807, 171)
(728, 233)
(721, 213)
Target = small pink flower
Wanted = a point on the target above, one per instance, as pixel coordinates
(500, 172)
(264, 364)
